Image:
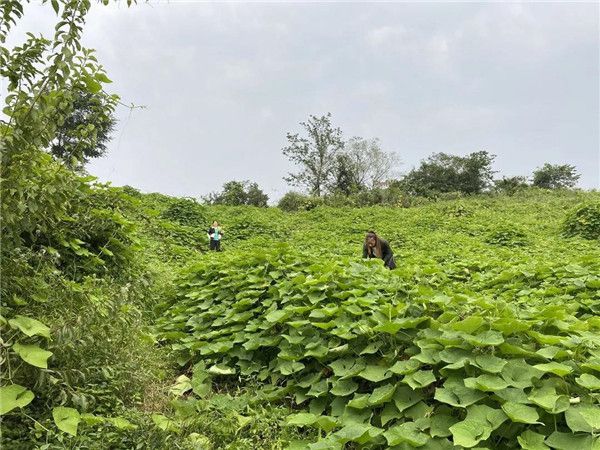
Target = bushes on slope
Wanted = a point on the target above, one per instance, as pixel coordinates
(583, 221)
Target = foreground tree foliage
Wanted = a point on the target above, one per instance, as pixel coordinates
(86, 131)
(69, 258)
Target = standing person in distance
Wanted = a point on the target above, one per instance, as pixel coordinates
(375, 247)
(215, 234)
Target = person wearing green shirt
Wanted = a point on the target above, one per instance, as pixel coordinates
(215, 234)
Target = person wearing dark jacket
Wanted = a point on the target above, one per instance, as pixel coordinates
(215, 234)
(375, 247)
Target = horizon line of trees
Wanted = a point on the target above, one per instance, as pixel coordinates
(327, 165)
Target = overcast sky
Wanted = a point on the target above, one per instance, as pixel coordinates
(223, 83)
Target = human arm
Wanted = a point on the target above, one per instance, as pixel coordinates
(387, 255)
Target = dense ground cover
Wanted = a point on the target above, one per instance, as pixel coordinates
(486, 335)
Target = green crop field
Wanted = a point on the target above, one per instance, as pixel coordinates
(487, 335)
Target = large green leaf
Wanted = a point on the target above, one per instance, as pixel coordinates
(319, 388)
(469, 433)
(405, 367)
(568, 441)
(459, 396)
(407, 432)
(221, 369)
(164, 423)
(121, 423)
(441, 423)
(530, 440)
(359, 401)
(201, 383)
(490, 363)
(513, 395)
(486, 415)
(327, 423)
(14, 396)
(32, 354)
(352, 432)
(479, 424)
(405, 397)
(29, 326)
(488, 383)
(374, 373)
(346, 367)
(468, 325)
(344, 387)
(301, 419)
(589, 381)
(520, 413)
(519, 374)
(484, 339)
(547, 398)
(389, 413)
(181, 386)
(66, 419)
(555, 368)
(382, 394)
(289, 367)
(419, 379)
(583, 418)
(277, 315)
(329, 443)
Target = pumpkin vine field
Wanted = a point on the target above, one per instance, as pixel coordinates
(119, 329)
(486, 335)
(488, 353)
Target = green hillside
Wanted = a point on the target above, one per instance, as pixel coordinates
(486, 335)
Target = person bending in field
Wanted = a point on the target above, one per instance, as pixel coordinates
(215, 234)
(375, 247)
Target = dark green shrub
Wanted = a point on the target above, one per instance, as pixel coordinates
(131, 191)
(237, 193)
(97, 238)
(186, 211)
(556, 176)
(441, 173)
(510, 185)
(293, 201)
(583, 221)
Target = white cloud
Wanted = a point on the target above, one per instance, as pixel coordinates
(385, 36)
